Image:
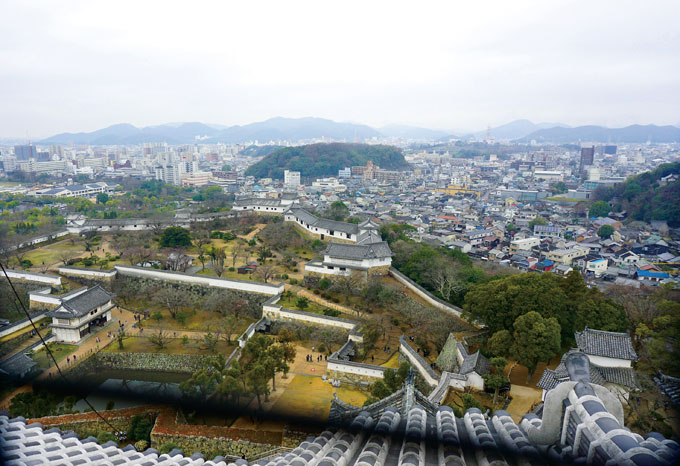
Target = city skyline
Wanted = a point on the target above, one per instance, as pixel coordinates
(459, 68)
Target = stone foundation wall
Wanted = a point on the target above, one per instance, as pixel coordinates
(352, 379)
(211, 441)
(380, 270)
(89, 424)
(156, 362)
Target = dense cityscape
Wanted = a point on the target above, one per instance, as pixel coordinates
(319, 234)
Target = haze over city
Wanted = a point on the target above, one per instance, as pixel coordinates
(305, 233)
(80, 66)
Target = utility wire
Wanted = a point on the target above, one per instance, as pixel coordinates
(49, 351)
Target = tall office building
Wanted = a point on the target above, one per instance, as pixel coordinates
(291, 180)
(587, 159)
(25, 152)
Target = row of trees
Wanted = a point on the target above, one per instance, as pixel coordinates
(261, 361)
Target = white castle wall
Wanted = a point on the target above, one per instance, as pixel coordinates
(434, 301)
(35, 277)
(87, 273)
(227, 283)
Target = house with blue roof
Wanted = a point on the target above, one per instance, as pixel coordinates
(651, 276)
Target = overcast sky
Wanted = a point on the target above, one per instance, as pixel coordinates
(80, 66)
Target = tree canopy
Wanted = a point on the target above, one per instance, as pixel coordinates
(598, 209)
(645, 196)
(174, 237)
(499, 303)
(315, 160)
(605, 231)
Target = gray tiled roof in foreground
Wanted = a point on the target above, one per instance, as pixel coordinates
(582, 423)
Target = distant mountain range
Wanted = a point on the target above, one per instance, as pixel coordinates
(629, 134)
(300, 129)
(274, 129)
(517, 129)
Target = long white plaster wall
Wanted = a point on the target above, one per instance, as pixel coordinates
(44, 296)
(242, 285)
(278, 312)
(83, 272)
(419, 367)
(34, 277)
(355, 368)
(451, 309)
(22, 324)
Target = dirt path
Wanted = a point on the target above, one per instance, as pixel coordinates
(523, 399)
(252, 234)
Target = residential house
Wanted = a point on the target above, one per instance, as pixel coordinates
(565, 256)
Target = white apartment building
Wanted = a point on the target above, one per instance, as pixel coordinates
(291, 180)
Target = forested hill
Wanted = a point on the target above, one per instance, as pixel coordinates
(646, 196)
(316, 160)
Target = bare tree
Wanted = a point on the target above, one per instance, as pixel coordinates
(177, 260)
(348, 285)
(88, 239)
(139, 255)
(218, 261)
(201, 238)
(235, 253)
(66, 256)
(227, 326)
(172, 299)
(446, 281)
(157, 222)
(160, 338)
(265, 272)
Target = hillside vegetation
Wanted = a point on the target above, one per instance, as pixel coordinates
(326, 159)
(644, 198)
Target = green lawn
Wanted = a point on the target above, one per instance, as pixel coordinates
(174, 346)
(291, 303)
(199, 320)
(234, 275)
(59, 350)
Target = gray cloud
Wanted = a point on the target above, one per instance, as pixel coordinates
(78, 66)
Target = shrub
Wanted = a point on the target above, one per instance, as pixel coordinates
(395, 321)
(157, 316)
(141, 445)
(295, 269)
(316, 292)
(185, 339)
(284, 276)
(322, 348)
(293, 281)
(470, 401)
(231, 269)
(140, 428)
(181, 317)
(103, 437)
(110, 404)
(331, 312)
(167, 447)
(335, 300)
